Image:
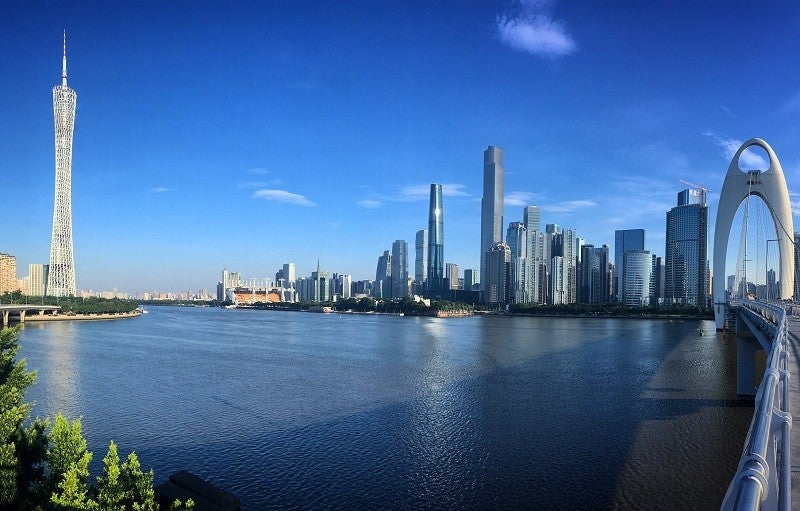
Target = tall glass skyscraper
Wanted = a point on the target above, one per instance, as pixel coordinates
(624, 241)
(686, 254)
(420, 261)
(435, 242)
(491, 204)
(61, 278)
(399, 269)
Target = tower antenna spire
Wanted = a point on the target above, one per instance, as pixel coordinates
(64, 62)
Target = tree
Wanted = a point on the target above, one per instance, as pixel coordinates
(21, 449)
(42, 471)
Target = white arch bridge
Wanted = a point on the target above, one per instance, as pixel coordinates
(766, 477)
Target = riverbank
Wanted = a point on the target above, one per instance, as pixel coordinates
(83, 317)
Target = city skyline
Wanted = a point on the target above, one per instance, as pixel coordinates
(199, 147)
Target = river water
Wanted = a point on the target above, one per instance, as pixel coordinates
(293, 410)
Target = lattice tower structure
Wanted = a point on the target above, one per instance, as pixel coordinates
(61, 278)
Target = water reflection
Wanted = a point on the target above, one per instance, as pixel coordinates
(60, 371)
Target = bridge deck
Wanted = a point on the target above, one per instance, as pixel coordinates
(794, 403)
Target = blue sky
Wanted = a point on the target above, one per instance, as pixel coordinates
(247, 135)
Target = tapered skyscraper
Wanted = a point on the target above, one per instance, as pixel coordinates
(435, 280)
(491, 205)
(61, 278)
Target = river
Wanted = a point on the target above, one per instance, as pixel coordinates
(293, 410)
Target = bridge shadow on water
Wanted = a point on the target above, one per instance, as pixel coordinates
(647, 427)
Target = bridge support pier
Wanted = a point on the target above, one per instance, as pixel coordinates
(5, 318)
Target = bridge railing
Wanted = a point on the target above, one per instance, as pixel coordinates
(763, 477)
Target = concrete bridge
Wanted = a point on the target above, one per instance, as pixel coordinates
(766, 477)
(18, 312)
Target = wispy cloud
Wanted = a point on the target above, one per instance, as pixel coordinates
(791, 105)
(260, 171)
(568, 206)
(283, 196)
(728, 111)
(530, 26)
(519, 199)
(160, 189)
(420, 192)
(748, 158)
(794, 200)
(369, 203)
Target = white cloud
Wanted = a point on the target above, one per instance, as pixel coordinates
(160, 189)
(749, 159)
(794, 201)
(568, 206)
(533, 29)
(258, 171)
(283, 196)
(369, 203)
(519, 199)
(420, 192)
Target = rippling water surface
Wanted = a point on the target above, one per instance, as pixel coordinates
(298, 410)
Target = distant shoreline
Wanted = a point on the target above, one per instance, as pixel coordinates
(82, 317)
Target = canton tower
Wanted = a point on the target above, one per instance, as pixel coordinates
(61, 278)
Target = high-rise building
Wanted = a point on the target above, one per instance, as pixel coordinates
(657, 287)
(420, 261)
(383, 276)
(532, 218)
(539, 258)
(637, 276)
(498, 259)
(61, 278)
(435, 277)
(470, 279)
(594, 275)
(37, 279)
(686, 254)
(491, 205)
(399, 275)
(8, 273)
(517, 240)
(320, 286)
(289, 273)
(451, 275)
(624, 240)
(347, 286)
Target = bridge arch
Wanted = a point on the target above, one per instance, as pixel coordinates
(770, 186)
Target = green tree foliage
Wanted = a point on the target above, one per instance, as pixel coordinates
(43, 471)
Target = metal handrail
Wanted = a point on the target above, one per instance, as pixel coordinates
(759, 482)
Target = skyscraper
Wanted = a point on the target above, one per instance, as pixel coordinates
(498, 260)
(517, 240)
(594, 273)
(491, 204)
(624, 240)
(686, 254)
(8, 273)
(399, 269)
(532, 218)
(37, 279)
(383, 273)
(61, 278)
(451, 274)
(420, 261)
(435, 242)
(637, 277)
